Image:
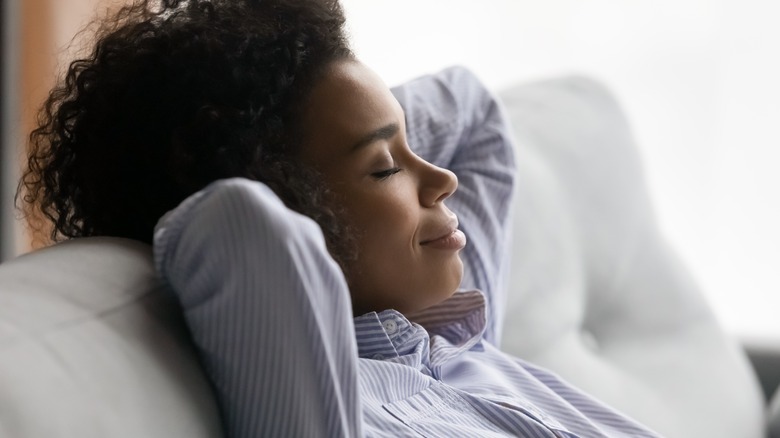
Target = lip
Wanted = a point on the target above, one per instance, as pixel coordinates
(447, 237)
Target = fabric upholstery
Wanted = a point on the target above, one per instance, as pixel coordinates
(595, 292)
(90, 347)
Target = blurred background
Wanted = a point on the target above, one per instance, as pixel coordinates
(698, 79)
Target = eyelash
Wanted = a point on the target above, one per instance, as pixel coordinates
(383, 175)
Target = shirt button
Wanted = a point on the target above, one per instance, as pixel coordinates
(390, 326)
(378, 356)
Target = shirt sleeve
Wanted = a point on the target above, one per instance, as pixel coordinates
(268, 309)
(454, 122)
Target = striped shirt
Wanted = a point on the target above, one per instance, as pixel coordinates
(270, 313)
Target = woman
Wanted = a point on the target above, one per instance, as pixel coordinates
(254, 118)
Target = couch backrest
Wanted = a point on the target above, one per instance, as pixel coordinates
(91, 346)
(595, 292)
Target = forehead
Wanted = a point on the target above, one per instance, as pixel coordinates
(349, 102)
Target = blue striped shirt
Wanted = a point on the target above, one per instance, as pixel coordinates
(269, 309)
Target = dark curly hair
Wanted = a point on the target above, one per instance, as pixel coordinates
(174, 95)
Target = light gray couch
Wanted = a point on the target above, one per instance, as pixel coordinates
(91, 346)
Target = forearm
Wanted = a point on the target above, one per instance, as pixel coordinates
(268, 310)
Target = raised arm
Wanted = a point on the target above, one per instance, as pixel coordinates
(268, 309)
(453, 121)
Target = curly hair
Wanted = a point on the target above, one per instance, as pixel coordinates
(174, 95)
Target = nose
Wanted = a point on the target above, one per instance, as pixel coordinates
(436, 184)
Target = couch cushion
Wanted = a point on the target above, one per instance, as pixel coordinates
(595, 292)
(92, 346)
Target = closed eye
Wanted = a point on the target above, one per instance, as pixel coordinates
(384, 174)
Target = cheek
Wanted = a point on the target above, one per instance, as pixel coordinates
(387, 227)
(386, 223)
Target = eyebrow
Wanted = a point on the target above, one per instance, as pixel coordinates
(384, 133)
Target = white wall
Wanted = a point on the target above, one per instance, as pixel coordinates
(699, 79)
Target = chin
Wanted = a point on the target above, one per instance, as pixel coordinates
(457, 274)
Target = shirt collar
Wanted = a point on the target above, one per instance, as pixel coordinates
(458, 318)
(459, 321)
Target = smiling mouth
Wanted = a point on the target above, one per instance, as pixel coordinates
(454, 240)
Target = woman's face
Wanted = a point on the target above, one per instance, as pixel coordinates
(407, 240)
